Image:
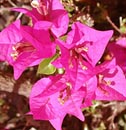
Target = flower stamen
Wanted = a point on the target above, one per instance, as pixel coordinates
(65, 94)
(35, 4)
(83, 66)
(40, 6)
(19, 48)
(81, 49)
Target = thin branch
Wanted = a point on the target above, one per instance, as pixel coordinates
(113, 25)
(12, 3)
(19, 16)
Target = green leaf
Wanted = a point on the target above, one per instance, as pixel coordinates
(123, 29)
(45, 67)
(123, 25)
(63, 38)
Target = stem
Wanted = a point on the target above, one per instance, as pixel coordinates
(12, 3)
(113, 25)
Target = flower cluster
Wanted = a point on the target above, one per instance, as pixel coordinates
(71, 61)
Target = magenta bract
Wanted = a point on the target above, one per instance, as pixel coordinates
(111, 84)
(119, 53)
(90, 43)
(49, 11)
(80, 73)
(50, 102)
(24, 46)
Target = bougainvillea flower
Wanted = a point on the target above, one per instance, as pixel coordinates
(90, 43)
(111, 84)
(50, 11)
(80, 42)
(24, 46)
(50, 102)
(119, 53)
(77, 70)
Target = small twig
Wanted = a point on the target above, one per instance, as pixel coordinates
(113, 25)
(109, 104)
(111, 119)
(12, 3)
(19, 16)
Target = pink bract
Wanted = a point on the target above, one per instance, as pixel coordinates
(119, 53)
(24, 46)
(50, 11)
(111, 84)
(50, 102)
(88, 42)
(77, 70)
